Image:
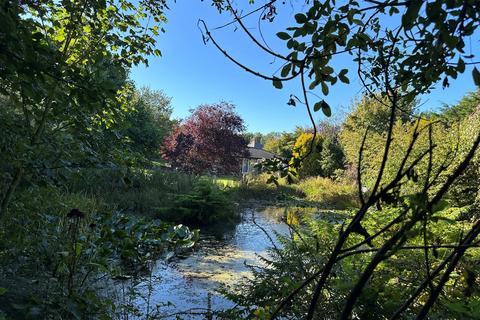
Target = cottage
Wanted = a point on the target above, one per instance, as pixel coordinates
(255, 155)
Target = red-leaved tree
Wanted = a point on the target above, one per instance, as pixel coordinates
(208, 141)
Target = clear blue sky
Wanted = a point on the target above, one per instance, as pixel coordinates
(193, 73)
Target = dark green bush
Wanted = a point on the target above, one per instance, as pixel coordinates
(139, 191)
(61, 261)
(205, 205)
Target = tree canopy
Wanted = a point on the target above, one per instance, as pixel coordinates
(209, 140)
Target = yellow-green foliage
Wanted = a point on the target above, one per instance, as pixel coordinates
(227, 182)
(256, 187)
(333, 194)
(310, 166)
(451, 142)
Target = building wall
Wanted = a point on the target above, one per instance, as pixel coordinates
(248, 165)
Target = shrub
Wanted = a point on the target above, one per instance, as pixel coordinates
(310, 165)
(333, 194)
(135, 190)
(256, 187)
(60, 259)
(322, 158)
(205, 205)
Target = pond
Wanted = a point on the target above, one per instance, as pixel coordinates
(189, 283)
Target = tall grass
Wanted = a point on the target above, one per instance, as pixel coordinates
(255, 187)
(168, 195)
(329, 193)
(137, 191)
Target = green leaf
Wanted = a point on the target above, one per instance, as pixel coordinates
(324, 88)
(393, 10)
(460, 65)
(291, 102)
(324, 107)
(476, 76)
(343, 77)
(78, 249)
(286, 70)
(277, 83)
(301, 18)
(412, 13)
(290, 44)
(283, 35)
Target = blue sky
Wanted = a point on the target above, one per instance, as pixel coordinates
(193, 73)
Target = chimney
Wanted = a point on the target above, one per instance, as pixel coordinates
(255, 143)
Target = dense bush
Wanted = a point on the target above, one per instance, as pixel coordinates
(148, 123)
(309, 247)
(322, 157)
(60, 267)
(450, 138)
(205, 205)
(312, 151)
(330, 193)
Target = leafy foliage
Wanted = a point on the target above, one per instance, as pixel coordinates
(281, 143)
(322, 157)
(309, 166)
(65, 101)
(149, 122)
(463, 108)
(205, 205)
(329, 193)
(309, 246)
(67, 105)
(402, 50)
(70, 252)
(208, 140)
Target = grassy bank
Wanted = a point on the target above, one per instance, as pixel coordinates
(158, 193)
(315, 191)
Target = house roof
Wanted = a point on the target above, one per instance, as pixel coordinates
(256, 153)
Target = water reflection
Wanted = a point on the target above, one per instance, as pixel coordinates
(189, 283)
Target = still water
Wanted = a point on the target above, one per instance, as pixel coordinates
(188, 283)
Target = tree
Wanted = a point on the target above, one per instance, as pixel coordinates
(208, 141)
(464, 108)
(149, 121)
(373, 113)
(249, 136)
(307, 156)
(281, 143)
(424, 44)
(63, 69)
(324, 158)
